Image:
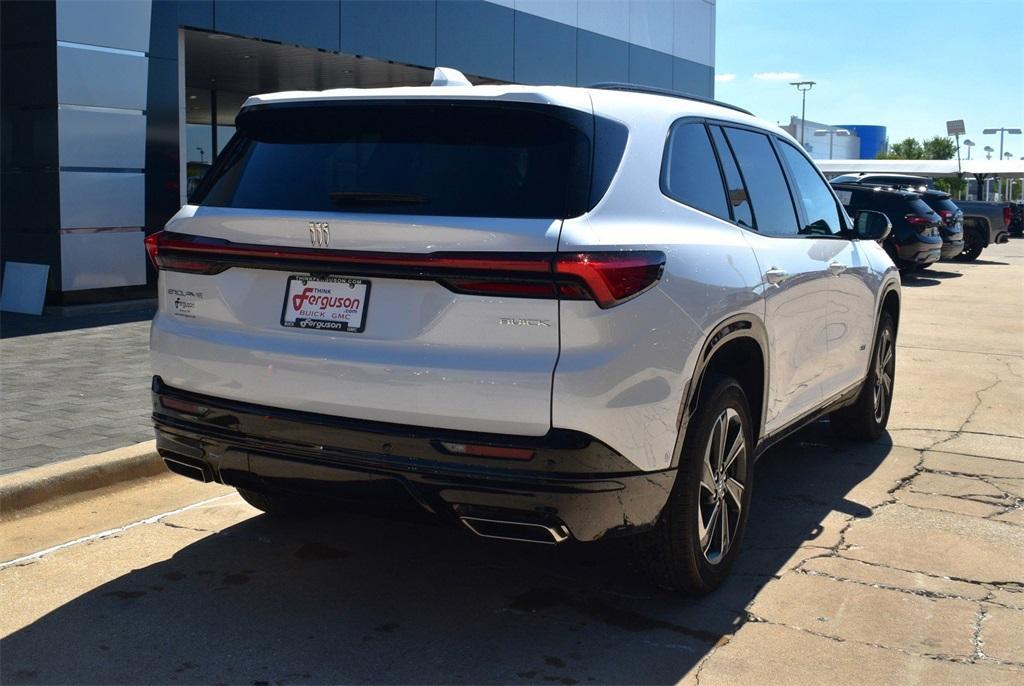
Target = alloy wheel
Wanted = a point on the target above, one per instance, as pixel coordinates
(885, 369)
(721, 486)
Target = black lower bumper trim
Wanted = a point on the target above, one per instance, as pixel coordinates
(573, 479)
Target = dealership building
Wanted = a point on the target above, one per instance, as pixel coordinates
(112, 107)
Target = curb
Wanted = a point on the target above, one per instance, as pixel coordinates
(32, 487)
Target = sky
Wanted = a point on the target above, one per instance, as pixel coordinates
(908, 65)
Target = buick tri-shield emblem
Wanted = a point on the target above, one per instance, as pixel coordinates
(320, 234)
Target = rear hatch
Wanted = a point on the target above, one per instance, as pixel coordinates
(388, 260)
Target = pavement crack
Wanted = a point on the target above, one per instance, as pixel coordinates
(979, 644)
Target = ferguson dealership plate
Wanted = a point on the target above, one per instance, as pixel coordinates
(327, 303)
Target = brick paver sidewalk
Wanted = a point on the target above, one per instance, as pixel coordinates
(73, 393)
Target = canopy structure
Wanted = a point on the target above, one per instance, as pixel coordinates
(984, 169)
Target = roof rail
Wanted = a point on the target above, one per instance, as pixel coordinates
(653, 90)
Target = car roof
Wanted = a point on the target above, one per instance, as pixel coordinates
(902, 193)
(641, 102)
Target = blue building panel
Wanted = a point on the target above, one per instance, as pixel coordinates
(691, 77)
(600, 59)
(545, 51)
(476, 37)
(649, 67)
(309, 23)
(400, 31)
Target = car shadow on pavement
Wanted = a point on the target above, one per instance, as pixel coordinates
(939, 274)
(356, 599)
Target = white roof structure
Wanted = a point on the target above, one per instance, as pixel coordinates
(933, 168)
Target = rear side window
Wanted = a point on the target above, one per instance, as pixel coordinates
(444, 159)
(734, 188)
(820, 209)
(689, 171)
(766, 185)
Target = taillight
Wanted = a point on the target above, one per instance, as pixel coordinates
(610, 277)
(160, 247)
(1007, 216)
(915, 219)
(607, 278)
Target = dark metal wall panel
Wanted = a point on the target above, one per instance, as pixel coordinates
(649, 67)
(600, 59)
(401, 30)
(690, 77)
(476, 37)
(309, 23)
(29, 182)
(196, 14)
(545, 51)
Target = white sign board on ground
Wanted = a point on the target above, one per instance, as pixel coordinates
(955, 128)
(24, 287)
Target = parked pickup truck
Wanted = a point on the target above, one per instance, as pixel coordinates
(985, 223)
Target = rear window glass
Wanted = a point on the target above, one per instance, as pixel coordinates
(942, 204)
(689, 171)
(407, 158)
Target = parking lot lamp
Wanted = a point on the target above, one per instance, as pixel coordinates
(803, 87)
(1002, 132)
(970, 144)
(988, 152)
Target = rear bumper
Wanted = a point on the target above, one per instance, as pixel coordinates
(573, 484)
(920, 253)
(952, 248)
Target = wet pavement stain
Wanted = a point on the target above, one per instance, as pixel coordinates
(320, 551)
(540, 599)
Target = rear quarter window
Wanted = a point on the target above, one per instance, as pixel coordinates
(689, 171)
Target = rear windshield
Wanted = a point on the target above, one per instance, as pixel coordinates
(920, 207)
(446, 159)
(941, 203)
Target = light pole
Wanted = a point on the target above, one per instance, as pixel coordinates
(831, 132)
(970, 144)
(1001, 132)
(988, 152)
(803, 87)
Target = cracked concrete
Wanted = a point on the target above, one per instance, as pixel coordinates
(900, 561)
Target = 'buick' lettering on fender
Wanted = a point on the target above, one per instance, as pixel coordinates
(322, 299)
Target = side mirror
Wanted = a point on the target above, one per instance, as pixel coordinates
(870, 225)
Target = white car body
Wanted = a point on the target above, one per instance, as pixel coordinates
(513, 366)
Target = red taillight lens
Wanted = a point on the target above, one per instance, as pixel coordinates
(156, 243)
(915, 220)
(610, 278)
(1007, 215)
(607, 278)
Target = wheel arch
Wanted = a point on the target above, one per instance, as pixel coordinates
(980, 225)
(737, 346)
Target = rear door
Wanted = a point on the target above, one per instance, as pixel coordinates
(794, 271)
(851, 299)
(378, 260)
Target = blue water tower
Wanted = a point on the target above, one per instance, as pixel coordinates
(872, 139)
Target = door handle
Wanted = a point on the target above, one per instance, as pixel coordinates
(836, 268)
(775, 276)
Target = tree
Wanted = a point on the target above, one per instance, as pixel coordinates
(935, 148)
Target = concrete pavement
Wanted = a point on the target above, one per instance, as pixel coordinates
(900, 561)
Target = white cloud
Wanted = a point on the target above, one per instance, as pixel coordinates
(777, 75)
(725, 77)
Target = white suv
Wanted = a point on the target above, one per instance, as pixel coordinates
(547, 313)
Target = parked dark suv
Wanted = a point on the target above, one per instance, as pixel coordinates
(915, 240)
(952, 227)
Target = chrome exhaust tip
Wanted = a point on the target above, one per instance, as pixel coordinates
(185, 467)
(525, 532)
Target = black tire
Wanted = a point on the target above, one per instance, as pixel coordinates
(285, 505)
(973, 245)
(867, 417)
(675, 552)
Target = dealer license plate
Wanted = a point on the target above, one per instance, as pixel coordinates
(326, 303)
